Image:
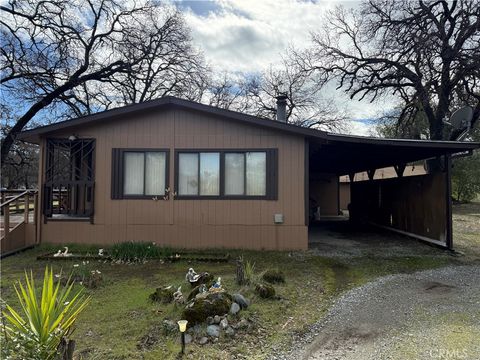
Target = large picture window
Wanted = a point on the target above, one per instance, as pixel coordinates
(226, 174)
(139, 173)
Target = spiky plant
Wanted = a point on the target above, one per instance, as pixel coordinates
(249, 270)
(35, 331)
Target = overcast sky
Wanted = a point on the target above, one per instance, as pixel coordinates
(249, 35)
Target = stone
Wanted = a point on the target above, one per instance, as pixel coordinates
(223, 324)
(203, 340)
(217, 319)
(241, 300)
(198, 310)
(169, 327)
(213, 330)
(243, 324)
(234, 309)
(188, 338)
(229, 331)
(209, 320)
(273, 276)
(265, 291)
(163, 294)
(196, 291)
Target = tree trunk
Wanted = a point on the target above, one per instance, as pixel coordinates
(240, 273)
(66, 349)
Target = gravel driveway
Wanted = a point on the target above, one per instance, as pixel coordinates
(432, 314)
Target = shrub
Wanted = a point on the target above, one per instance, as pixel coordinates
(273, 276)
(86, 275)
(37, 331)
(265, 291)
(138, 251)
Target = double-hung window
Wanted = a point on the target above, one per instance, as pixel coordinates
(226, 174)
(139, 173)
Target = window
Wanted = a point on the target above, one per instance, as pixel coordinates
(246, 173)
(139, 173)
(232, 174)
(199, 174)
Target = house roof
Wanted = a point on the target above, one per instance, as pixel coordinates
(316, 136)
(33, 135)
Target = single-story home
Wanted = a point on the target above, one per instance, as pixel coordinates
(187, 175)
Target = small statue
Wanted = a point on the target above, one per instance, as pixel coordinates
(66, 253)
(217, 286)
(178, 296)
(218, 283)
(100, 252)
(58, 253)
(191, 276)
(202, 289)
(197, 279)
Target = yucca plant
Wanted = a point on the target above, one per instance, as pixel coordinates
(249, 269)
(35, 332)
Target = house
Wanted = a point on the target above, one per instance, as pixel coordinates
(188, 175)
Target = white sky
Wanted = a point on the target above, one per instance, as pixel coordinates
(249, 35)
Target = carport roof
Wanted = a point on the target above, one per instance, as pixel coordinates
(345, 154)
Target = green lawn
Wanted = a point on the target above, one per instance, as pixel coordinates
(120, 313)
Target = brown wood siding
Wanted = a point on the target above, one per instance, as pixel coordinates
(190, 223)
(344, 195)
(414, 204)
(324, 191)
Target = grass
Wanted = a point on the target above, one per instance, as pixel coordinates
(120, 313)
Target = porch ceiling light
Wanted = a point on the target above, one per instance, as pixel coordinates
(72, 137)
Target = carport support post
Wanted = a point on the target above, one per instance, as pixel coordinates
(448, 195)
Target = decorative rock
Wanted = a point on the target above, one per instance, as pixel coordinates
(163, 294)
(203, 340)
(241, 300)
(234, 309)
(213, 330)
(169, 327)
(224, 324)
(217, 319)
(198, 310)
(200, 289)
(230, 332)
(243, 324)
(209, 320)
(188, 338)
(265, 291)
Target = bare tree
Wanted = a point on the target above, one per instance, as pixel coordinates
(72, 55)
(425, 52)
(307, 104)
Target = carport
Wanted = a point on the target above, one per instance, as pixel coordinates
(417, 206)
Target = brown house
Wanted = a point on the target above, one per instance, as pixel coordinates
(187, 175)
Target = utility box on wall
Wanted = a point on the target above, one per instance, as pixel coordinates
(278, 218)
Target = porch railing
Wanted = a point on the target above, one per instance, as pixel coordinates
(18, 212)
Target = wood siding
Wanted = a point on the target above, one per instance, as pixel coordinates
(413, 204)
(324, 193)
(195, 223)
